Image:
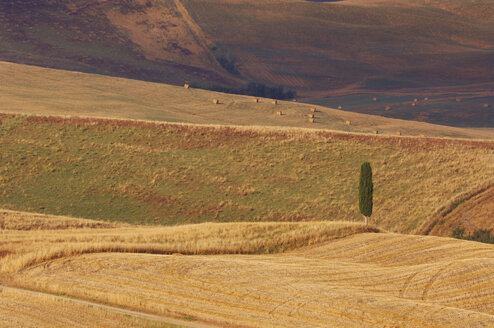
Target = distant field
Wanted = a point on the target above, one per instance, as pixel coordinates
(34, 90)
(151, 173)
(346, 277)
(318, 49)
(468, 108)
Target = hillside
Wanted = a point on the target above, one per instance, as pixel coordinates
(158, 173)
(34, 90)
(343, 274)
(472, 210)
(440, 49)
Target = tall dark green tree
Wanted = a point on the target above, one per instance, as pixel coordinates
(365, 190)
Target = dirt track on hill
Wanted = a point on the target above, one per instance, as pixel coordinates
(109, 308)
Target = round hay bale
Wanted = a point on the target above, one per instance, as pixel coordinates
(186, 86)
(275, 102)
(415, 100)
(426, 98)
(414, 104)
(486, 105)
(340, 107)
(376, 131)
(398, 133)
(312, 120)
(311, 115)
(422, 135)
(279, 113)
(256, 100)
(387, 108)
(458, 99)
(216, 101)
(374, 99)
(348, 122)
(313, 109)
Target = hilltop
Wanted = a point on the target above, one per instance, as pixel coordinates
(34, 90)
(396, 50)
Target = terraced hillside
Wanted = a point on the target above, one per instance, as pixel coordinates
(358, 279)
(417, 48)
(167, 174)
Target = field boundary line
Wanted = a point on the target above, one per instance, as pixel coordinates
(292, 130)
(109, 308)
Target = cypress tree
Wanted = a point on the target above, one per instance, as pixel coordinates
(365, 189)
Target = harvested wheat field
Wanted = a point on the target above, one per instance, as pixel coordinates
(307, 274)
(364, 280)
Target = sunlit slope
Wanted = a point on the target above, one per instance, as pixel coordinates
(167, 174)
(366, 280)
(34, 90)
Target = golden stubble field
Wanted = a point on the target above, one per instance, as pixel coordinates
(259, 274)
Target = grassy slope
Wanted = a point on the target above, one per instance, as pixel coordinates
(168, 174)
(34, 90)
(363, 279)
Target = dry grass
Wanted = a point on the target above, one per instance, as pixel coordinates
(20, 248)
(34, 90)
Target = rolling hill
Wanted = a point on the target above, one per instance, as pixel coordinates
(311, 274)
(472, 210)
(34, 90)
(440, 49)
